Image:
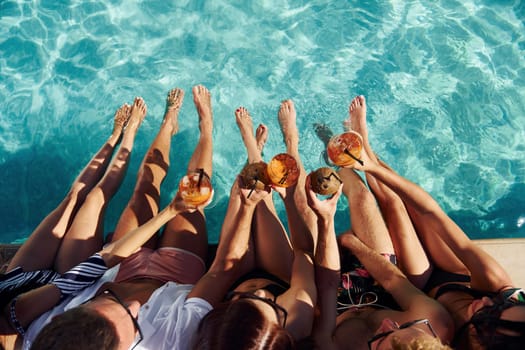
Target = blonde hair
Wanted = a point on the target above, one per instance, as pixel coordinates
(419, 344)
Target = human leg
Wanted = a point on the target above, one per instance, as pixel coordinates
(367, 222)
(51, 230)
(411, 256)
(188, 230)
(85, 236)
(272, 248)
(144, 202)
(409, 251)
(301, 219)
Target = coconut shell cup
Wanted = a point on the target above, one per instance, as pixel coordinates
(254, 176)
(325, 181)
(283, 170)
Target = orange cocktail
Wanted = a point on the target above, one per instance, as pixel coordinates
(345, 149)
(283, 170)
(195, 187)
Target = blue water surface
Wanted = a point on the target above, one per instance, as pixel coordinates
(444, 81)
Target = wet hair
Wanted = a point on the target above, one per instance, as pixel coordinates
(79, 328)
(419, 343)
(239, 324)
(492, 332)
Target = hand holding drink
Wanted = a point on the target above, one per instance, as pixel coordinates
(345, 149)
(254, 176)
(195, 188)
(324, 181)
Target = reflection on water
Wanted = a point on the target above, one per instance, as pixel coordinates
(444, 81)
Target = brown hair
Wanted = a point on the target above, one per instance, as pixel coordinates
(239, 324)
(79, 328)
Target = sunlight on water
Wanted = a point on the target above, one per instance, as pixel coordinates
(444, 82)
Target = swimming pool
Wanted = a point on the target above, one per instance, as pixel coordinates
(444, 81)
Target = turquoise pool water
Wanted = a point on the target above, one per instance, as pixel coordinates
(444, 80)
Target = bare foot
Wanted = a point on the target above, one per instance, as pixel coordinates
(287, 117)
(245, 124)
(121, 118)
(138, 112)
(261, 135)
(202, 100)
(357, 117)
(173, 104)
(357, 121)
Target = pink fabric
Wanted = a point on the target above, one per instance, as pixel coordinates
(163, 264)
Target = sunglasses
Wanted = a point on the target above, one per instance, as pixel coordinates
(128, 311)
(280, 311)
(383, 335)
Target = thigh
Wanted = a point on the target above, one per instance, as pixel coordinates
(440, 253)
(273, 251)
(187, 231)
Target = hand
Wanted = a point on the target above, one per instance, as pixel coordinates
(322, 208)
(181, 206)
(285, 192)
(365, 164)
(250, 196)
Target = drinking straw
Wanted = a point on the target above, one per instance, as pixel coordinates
(253, 186)
(354, 157)
(201, 174)
(283, 179)
(327, 178)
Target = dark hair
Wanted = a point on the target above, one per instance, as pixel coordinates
(492, 332)
(239, 324)
(79, 328)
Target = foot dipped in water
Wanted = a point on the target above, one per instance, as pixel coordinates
(202, 100)
(173, 105)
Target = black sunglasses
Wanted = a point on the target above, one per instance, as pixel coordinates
(403, 326)
(280, 311)
(128, 311)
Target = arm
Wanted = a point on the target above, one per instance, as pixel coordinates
(230, 260)
(486, 272)
(116, 251)
(412, 301)
(300, 298)
(30, 305)
(327, 268)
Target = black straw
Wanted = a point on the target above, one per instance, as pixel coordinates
(201, 175)
(254, 185)
(354, 157)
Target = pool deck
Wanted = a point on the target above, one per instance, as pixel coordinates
(507, 251)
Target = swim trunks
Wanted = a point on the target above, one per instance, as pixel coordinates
(164, 264)
(17, 281)
(359, 289)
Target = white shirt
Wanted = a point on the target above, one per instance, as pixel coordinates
(168, 320)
